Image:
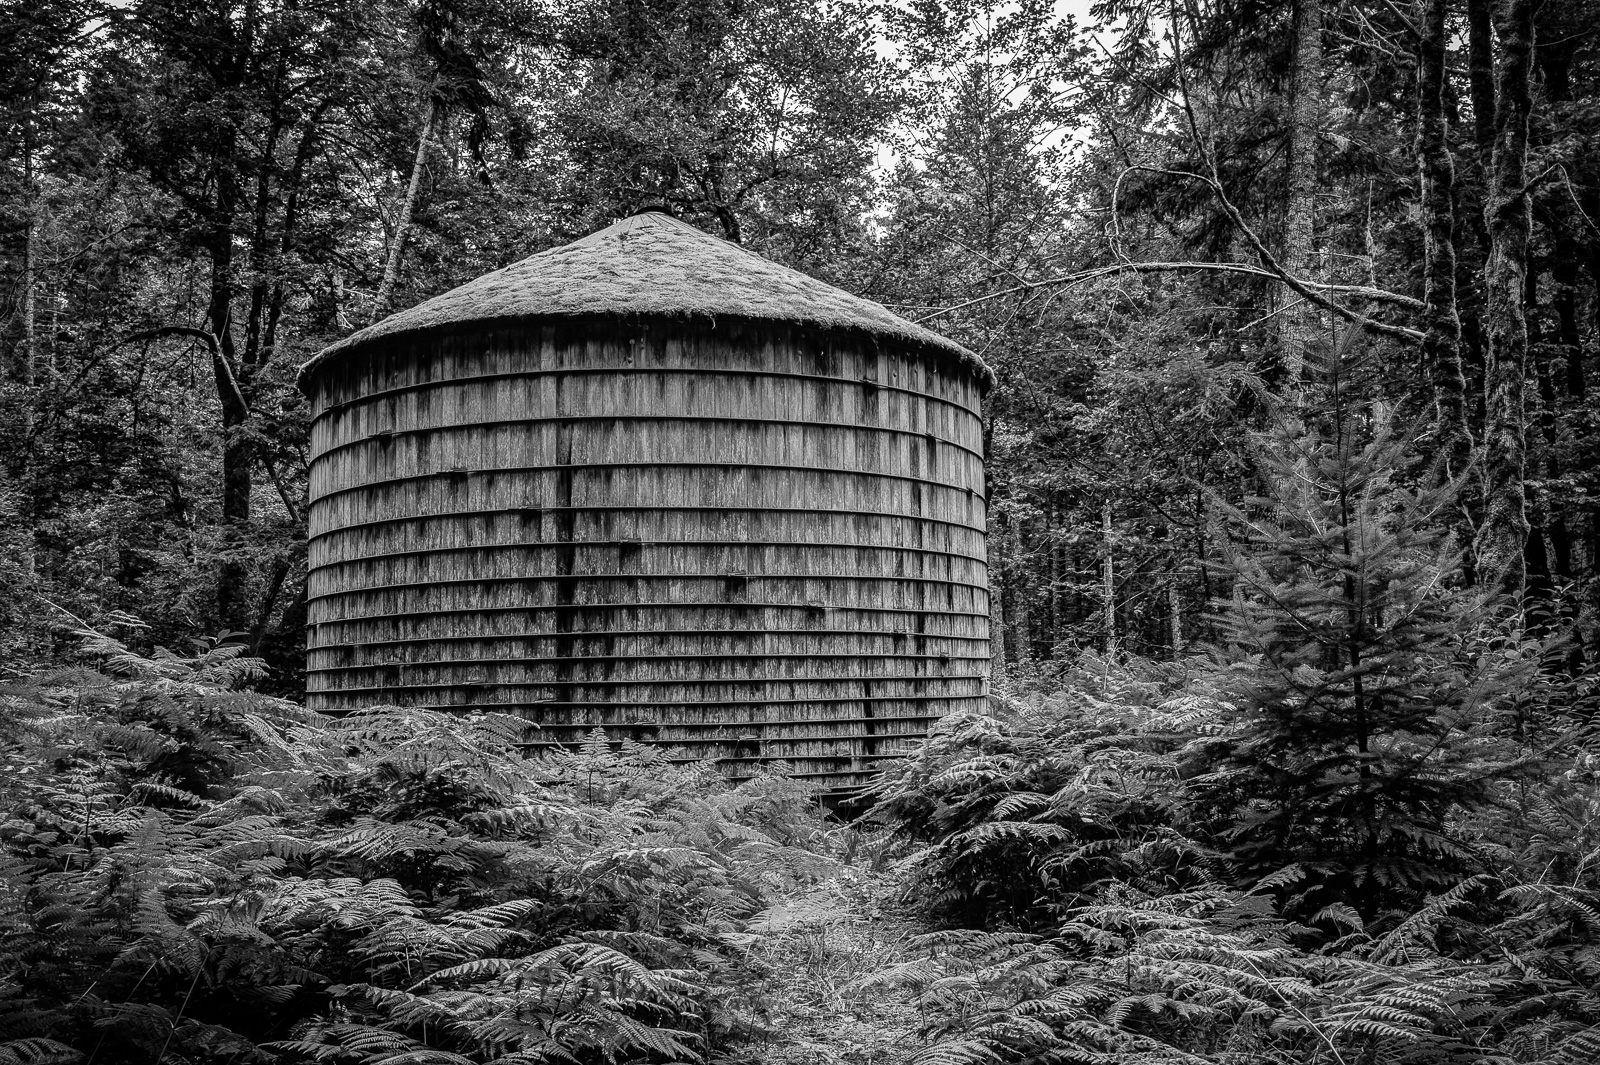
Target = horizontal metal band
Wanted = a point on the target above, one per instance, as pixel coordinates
(591, 633)
(748, 578)
(514, 708)
(830, 720)
(454, 611)
(851, 757)
(636, 704)
(421, 386)
(631, 465)
(502, 685)
(856, 787)
(841, 783)
(693, 418)
(712, 748)
(543, 746)
(580, 659)
(644, 545)
(457, 515)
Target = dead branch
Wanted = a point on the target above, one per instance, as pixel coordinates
(1084, 276)
(1307, 289)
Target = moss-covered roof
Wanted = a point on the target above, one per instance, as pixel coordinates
(651, 264)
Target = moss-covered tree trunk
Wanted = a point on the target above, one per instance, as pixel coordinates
(1297, 324)
(1441, 347)
(1503, 535)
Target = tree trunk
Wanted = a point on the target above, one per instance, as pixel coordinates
(1480, 77)
(1539, 437)
(1503, 536)
(1202, 552)
(1470, 200)
(1053, 546)
(1297, 324)
(1174, 614)
(261, 264)
(1108, 583)
(289, 233)
(28, 363)
(1441, 347)
(258, 631)
(1021, 619)
(1550, 518)
(391, 269)
(30, 268)
(997, 608)
(237, 454)
(341, 320)
(1564, 274)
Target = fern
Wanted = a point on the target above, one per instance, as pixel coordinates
(1084, 819)
(37, 1051)
(193, 870)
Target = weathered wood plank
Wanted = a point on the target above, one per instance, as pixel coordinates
(753, 541)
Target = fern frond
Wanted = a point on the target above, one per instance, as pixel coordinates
(37, 1050)
(958, 1052)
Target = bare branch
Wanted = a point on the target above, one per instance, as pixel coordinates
(213, 345)
(1405, 20)
(1084, 276)
(1304, 288)
(1267, 259)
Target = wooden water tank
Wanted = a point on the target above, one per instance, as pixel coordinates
(653, 482)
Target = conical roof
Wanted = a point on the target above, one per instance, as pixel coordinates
(651, 264)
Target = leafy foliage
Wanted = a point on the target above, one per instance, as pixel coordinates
(1097, 915)
(195, 872)
(1020, 818)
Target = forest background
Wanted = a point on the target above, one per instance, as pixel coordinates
(1158, 229)
(1295, 552)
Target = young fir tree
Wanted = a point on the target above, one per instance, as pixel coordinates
(1375, 692)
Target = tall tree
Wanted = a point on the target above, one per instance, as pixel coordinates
(1503, 539)
(1441, 346)
(228, 113)
(1297, 322)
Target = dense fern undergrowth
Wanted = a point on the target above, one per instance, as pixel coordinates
(195, 873)
(1075, 850)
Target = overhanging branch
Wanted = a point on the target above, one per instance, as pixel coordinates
(1084, 276)
(1273, 268)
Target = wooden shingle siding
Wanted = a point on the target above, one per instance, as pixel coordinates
(750, 539)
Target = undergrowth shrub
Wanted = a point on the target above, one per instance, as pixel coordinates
(1091, 915)
(194, 873)
(1018, 815)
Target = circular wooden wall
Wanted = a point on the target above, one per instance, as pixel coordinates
(754, 540)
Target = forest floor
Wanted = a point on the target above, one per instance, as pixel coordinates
(812, 950)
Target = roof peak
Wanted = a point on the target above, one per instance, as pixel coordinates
(648, 218)
(652, 263)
